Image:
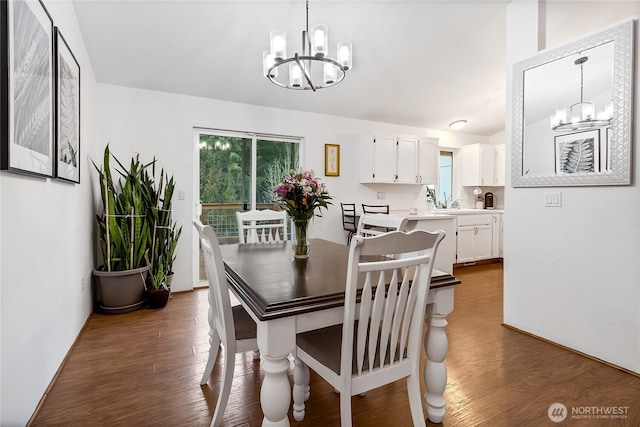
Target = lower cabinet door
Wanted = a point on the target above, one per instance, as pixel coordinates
(474, 243)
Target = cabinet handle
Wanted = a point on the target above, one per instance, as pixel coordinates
(482, 181)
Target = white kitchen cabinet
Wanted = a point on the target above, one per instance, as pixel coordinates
(394, 159)
(475, 237)
(428, 161)
(496, 251)
(479, 165)
(500, 164)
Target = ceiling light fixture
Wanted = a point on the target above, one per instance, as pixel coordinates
(581, 115)
(313, 69)
(458, 124)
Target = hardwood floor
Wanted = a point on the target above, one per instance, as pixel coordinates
(143, 369)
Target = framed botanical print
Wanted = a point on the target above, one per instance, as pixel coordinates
(27, 107)
(578, 152)
(67, 112)
(331, 160)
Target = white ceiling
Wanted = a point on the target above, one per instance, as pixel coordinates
(415, 63)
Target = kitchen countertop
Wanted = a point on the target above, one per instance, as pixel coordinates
(444, 213)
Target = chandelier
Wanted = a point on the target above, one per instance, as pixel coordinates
(312, 69)
(581, 115)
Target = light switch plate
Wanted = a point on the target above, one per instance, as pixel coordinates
(553, 200)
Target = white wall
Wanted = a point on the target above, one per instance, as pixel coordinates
(161, 124)
(571, 273)
(45, 251)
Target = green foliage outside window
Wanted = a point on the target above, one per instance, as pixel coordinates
(225, 168)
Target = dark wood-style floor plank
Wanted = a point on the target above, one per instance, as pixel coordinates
(144, 368)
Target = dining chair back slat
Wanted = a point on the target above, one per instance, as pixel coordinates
(262, 226)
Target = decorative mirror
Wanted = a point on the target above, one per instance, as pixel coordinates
(572, 111)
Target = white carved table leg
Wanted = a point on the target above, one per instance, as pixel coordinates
(436, 346)
(300, 388)
(276, 340)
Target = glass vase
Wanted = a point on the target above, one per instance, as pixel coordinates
(301, 246)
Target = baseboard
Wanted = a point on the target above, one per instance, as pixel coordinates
(477, 263)
(588, 356)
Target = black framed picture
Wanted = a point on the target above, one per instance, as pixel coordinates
(67, 111)
(27, 101)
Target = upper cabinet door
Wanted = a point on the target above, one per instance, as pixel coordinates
(385, 158)
(407, 171)
(428, 161)
(478, 163)
(377, 158)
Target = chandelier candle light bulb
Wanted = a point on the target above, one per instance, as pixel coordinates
(278, 42)
(320, 40)
(344, 54)
(268, 61)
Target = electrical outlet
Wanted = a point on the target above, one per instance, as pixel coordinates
(82, 285)
(381, 195)
(180, 194)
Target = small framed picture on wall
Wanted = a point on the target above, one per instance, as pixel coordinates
(67, 112)
(331, 160)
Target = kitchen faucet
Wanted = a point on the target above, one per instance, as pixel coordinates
(453, 203)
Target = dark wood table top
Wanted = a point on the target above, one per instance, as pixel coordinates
(274, 285)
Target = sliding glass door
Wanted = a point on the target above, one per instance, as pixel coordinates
(237, 172)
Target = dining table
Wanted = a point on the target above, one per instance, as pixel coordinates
(286, 296)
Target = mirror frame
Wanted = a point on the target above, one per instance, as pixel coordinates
(622, 36)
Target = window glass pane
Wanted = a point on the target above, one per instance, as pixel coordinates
(225, 182)
(274, 161)
(446, 176)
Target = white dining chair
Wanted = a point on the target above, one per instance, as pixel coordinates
(231, 327)
(262, 226)
(379, 340)
(374, 224)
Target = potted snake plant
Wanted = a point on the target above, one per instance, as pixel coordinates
(124, 235)
(164, 240)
